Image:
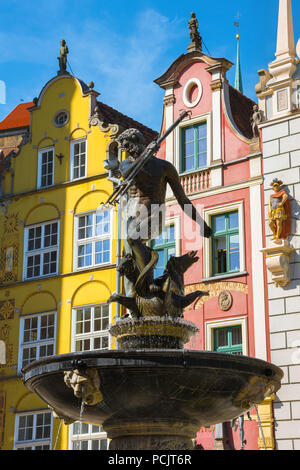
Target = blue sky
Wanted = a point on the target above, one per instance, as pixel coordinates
(124, 45)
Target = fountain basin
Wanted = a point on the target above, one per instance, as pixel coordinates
(156, 399)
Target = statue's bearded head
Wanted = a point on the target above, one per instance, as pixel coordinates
(132, 141)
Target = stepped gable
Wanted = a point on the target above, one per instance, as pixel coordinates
(18, 118)
(112, 116)
(242, 111)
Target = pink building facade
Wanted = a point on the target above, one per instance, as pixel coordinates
(220, 166)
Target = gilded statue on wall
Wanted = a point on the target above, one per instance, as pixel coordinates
(279, 212)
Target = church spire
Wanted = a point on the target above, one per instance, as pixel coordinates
(238, 72)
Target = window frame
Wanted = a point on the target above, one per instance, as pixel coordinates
(92, 334)
(175, 221)
(39, 342)
(207, 242)
(91, 240)
(230, 348)
(57, 114)
(90, 436)
(39, 176)
(34, 442)
(211, 326)
(197, 152)
(207, 117)
(72, 152)
(41, 251)
(227, 233)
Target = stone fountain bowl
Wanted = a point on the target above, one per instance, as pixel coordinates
(170, 393)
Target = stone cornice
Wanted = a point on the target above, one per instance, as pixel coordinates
(169, 100)
(216, 85)
(170, 77)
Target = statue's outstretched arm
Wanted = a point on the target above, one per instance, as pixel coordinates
(173, 179)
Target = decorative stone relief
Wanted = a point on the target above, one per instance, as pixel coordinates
(9, 252)
(4, 336)
(7, 309)
(278, 261)
(215, 289)
(225, 300)
(97, 120)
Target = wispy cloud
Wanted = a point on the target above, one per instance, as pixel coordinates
(120, 62)
(124, 67)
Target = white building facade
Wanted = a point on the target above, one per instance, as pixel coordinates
(279, 101)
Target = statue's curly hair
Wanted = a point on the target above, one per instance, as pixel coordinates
(132, 134)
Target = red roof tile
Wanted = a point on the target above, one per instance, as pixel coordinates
(112, 116)
(19, 117)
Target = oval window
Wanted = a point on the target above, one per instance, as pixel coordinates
(192, 92)
(61, 118)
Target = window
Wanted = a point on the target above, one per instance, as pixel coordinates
(41, 250)
(37, 338)
(165, 245)
(87, 437)
(225, 243)
(93, 239)
(46, 168)
(90, 327)
(33, 431)
(228, 340)
(227, 336)
(194, 147)
(78, 159)
(61, 118)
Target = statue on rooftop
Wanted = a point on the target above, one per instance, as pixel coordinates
(62, 59)
(194, 33)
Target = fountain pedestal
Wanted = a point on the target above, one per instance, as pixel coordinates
(152, 434)
(153, 333)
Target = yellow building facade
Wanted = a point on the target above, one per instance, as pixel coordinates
(58, 254)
